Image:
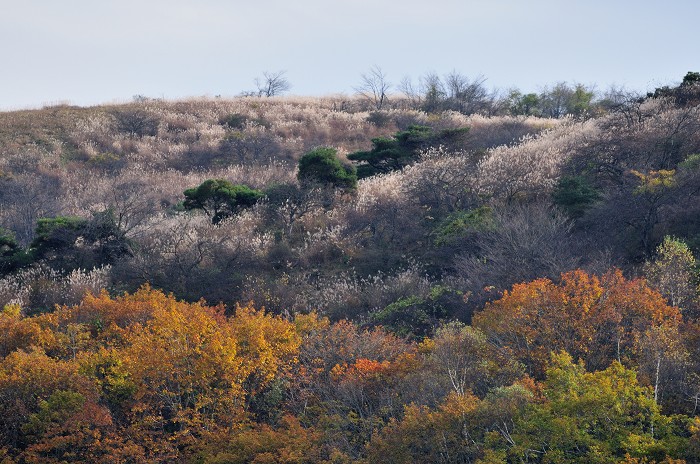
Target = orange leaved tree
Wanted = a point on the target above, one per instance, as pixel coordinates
(595, 319)
(181, 370)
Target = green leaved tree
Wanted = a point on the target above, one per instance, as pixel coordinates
(403, 148)
(322, 167)
(220, 199)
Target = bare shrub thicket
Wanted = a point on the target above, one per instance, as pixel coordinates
(525, 242)
(534, 164)
(644, 136)
(443, 182)
(384, 225)
(349, 295)
(341, 295)
(488, 132)
(188, 255)
(40, 288)
(639, 161)
(24, 199)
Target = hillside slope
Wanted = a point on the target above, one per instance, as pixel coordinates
(508, 289)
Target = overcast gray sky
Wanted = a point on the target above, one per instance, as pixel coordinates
(94, 51)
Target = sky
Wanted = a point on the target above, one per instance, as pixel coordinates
(87, 52)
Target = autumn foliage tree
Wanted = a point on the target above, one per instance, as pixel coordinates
(601, 416)
(573, 416)
(596, 319)
(423, 435)
(673, 273)
(184, 364)
(464, 356)
(42, 399)
(19, 332)
(168, 371)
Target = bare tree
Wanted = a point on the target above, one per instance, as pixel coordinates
(135, 122)
(272, 83)
(374, 86)
(412, 94)
(618, 98)
(465, 95)
(26, 197)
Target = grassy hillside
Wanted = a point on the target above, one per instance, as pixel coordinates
(509, 288)
(136, 160)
